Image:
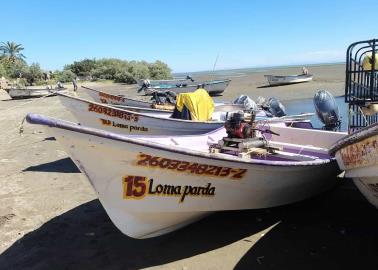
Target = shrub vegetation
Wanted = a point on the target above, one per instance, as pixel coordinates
(14, 66)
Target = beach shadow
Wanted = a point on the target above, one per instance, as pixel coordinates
(85, 238)
(331, 232)
(282, 84)
(64, 165)
(334, 231)
(49, 139)
(269, 86)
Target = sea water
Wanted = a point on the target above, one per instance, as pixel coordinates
(299, 106)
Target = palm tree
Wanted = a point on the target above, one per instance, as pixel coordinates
(12, 51)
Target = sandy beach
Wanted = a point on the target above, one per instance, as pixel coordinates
(50, 217)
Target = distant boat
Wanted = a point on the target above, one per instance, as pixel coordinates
(215, 87)
(187, 79)
(21, 93)
(289, 79)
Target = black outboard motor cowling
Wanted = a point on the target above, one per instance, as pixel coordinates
(275, 107)
(164, 97)
(188, 77)
(145, 85)
(327, 109)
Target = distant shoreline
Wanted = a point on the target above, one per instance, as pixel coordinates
(236, 71)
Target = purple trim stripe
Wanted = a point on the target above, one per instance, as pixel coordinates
(60, 124)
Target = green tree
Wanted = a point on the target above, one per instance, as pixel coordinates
(33, 73)
(107, 68)
(120, 70)
(63, 76)
(83, 67)
(17, 70)
(36, 71)
(124, 77)
(3, 71)
(139, 70)
(159, 71)
(12, 52)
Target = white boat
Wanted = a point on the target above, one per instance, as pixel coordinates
(214, 88)
(17, 93)
(174, 81)
(119, 120)
(289, 79)
(357, 155)
(151, 186)
(154, 122)
(143, 106)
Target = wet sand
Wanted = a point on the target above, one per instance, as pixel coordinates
(254, 84)
(50, 217)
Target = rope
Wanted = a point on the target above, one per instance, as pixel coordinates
(21, 127)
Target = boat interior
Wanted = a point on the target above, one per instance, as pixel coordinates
(280, 148)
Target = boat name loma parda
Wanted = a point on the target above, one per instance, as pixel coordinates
(137, 187)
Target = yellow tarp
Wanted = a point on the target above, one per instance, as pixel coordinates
(367, 63)
(199, 103)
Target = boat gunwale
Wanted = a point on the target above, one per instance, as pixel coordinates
(354, 137)
(61, 124)
(118, 96)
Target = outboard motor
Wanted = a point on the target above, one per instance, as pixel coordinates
(146, 84)
(164, 97)
(201, 85)
(275, 107)
(237, 127)
(247, 102)
(327, 109)
(188, 77)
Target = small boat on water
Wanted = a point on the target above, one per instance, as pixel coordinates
(22, 93)
(215, 87)
(357, 153)
(289, 79)
(151, 186)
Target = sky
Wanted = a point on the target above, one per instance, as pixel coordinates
(188, 35)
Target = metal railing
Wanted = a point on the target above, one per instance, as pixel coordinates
(361, 82)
